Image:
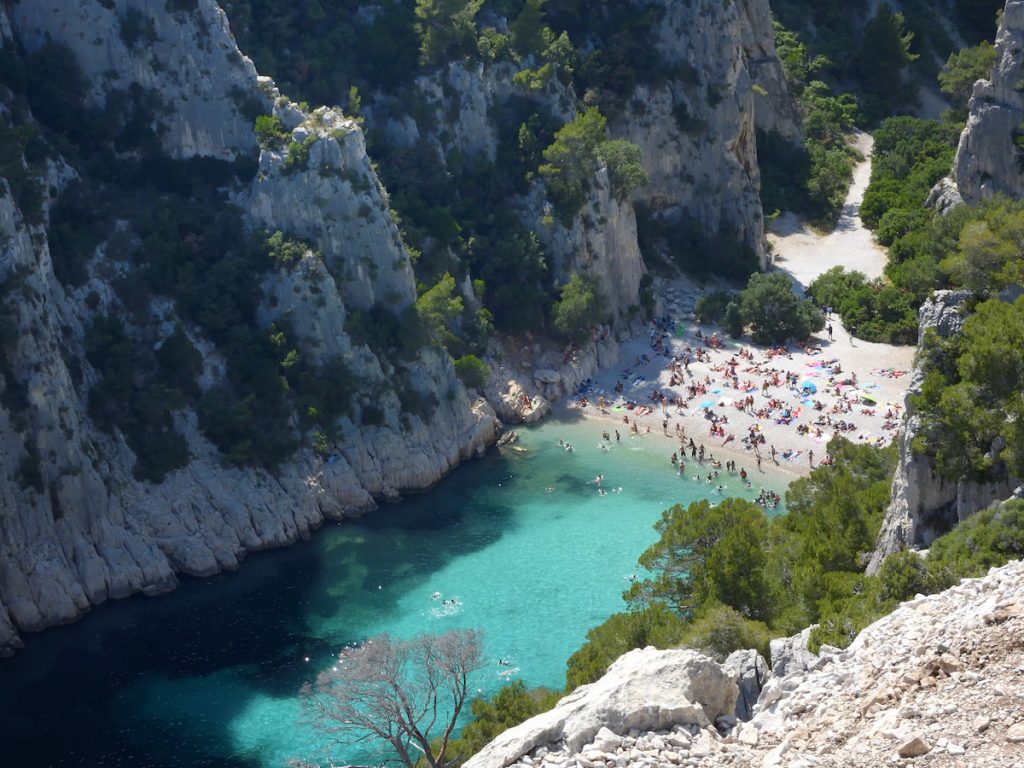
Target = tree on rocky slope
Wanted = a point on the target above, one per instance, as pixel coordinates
(406, 693)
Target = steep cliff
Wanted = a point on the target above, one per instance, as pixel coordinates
(697, 129)
(988, 158)
(77, 526)
(924, 504)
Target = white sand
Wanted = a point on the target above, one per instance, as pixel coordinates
(802, 254)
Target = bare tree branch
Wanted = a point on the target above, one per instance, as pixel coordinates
(398, 692)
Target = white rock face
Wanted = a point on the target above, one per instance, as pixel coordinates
(924, 504)
(775, 110)
(94, 532)
(645, 690)
(189, 58)
(987, 162)
(707, 170)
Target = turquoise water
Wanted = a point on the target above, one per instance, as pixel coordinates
(209, 675)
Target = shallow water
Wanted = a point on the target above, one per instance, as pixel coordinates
(209, 675)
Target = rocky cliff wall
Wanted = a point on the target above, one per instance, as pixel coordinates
(697, 131)
(924, 504)
(936, 680)
(86, 530)
(987, 159)
(775, 109)
(187, 57)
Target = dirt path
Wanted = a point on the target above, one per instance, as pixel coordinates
(805, 254)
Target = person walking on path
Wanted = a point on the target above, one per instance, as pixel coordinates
(830, 331)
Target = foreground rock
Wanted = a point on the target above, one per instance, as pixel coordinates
(939, 681)
(645, 690)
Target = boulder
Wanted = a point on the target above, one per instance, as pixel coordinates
(645, 689)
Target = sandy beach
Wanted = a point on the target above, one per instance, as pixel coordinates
(681, 381)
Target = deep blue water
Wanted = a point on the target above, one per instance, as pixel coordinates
(209, 675)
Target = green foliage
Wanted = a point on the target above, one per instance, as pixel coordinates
(963, 69)
(285, 251)
(134, 394)
(570, 161)
(727, 577)
(836, 511)
(718, 630)
(972, 393)
(271, 133)
(581, 307)
(774, 312)
(626, 172)
(811, 179)
(874, 310)
(511, 705)
(472, 370)
(710, 307)
(137, 28)
(985, 540)
(317, 51)
(709, 553)
(22, 178)
(446, 29)
(530, 34)
(987, 258)
(884, 53)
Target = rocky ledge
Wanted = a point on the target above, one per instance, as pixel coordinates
(940, 681)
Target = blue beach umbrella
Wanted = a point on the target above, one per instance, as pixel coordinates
(809, 385)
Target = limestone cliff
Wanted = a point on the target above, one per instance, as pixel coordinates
(988, 160)
(697, 130)
(76, 527)
(775, 109)
(937, 678)
(924, 504)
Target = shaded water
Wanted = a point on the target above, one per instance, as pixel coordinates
(208, 676)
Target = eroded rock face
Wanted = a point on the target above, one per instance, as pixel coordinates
(91, 531)
(187, 58)
(987, 160)
(697, 134)
(775, 109)
(924, 504)
(645, 689)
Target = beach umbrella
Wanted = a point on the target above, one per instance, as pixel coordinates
(867, 398)
(809, 385)
(708, 404)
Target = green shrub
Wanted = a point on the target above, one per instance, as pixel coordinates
(270, 132)
(718, 630)
(711, 307)
(582, 306)
(472, 371)
(774, 312)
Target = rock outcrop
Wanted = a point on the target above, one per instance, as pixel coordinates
(76, 527)
(697, 132)
(775, 109)
(645, 690)
(187, 58)
(924, 504)
(939, 677)
(988, 160)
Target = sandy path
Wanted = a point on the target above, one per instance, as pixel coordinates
(881, 370)
(804, 254)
